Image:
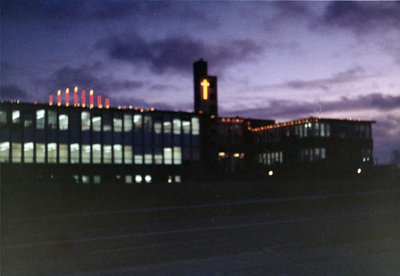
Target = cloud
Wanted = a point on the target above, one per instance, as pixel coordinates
(87, 77)
(8, 92)
(362, 17)
(176, 53)
(295, 109)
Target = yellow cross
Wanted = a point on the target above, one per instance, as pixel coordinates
(205, 84)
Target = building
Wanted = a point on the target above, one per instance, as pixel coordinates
(97, 144)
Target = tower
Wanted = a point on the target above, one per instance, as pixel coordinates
(205, 89)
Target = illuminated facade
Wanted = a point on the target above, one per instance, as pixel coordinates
(83, 143)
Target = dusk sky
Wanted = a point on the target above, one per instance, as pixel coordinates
(274, 60)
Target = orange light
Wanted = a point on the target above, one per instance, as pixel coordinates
(99, 105)
(152, 109)
(130, 107)
(76, 96)
(107, 103)
(50, 100)
(67, 97)
(91, 99)
(200, 111)
(212, 117)
(83, 97)
(205, 84)
(59, 97)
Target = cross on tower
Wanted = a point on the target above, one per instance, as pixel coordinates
(205, 84)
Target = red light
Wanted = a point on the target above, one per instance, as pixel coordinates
(76, 96)
(67, 97)
(59, 97)
(35, 102)
(99, 102)
(107, 103)
(91, 98)
(50, 99)
(83, 97)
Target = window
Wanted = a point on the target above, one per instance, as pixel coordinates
(323, 153)
(96, 123)
(147, 178)
(85, 179)
(117, 123)
(4, 151)
(52, 153)
(322, 129)
(128, 179)
(3, 117)
(52, 119)
(148, 158)
(40, 153)
(186, 127)
(107, 154)
(63, 121)
(157, 127)
(85, 119)
(167, 127)
(328, 130)
(96, 179)
(177, 126)
(178, 179)
(117, 154)
(128, 154)
(195, 126)
(74, 153)
(167, 156)
(138, 178)
(127, 122)
(177, 155)
(147, 124)
(40, 120)
(86, 154)
(63, 153)
(16, 116)
(138, 159)
(137, 120)
(96, 153)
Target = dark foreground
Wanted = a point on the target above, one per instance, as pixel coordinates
(326, 234)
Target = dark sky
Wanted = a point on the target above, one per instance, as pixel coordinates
(278, 60)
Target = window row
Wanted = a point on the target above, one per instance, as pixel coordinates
(93, 154)
(270, 158)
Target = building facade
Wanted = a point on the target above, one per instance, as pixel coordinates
(88, 144)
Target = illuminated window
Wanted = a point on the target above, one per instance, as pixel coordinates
(128, 179)
(107, 154)
(186, 127)
(96, 179)
(85, 179)
(178, 179)
(52, 119)
(15, 117)
(167, 156)
(148, 158)
(177, 155)
(127, 122)
(117, 154)
(52, 153)
(128, 155)
(63, 153)
(138, 178)
(63, 121)
(4, 151)
(3, 117)
(28, 152)
(85, 119)
(138, 159)
(157, 127)
(195, 126)
(28, 120)
(177, 126)
(167, 127)
(117, 124)
(75, 177)
(158, 158)
(137, 121)
(147, 124)
(96, 153)
(316, 129)
(86, 154)
(96, 123)
(323, 153)
(40, 153)
(74, 153)
(322, 129)
(328, 130)
(107, 121)
(40, 120)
